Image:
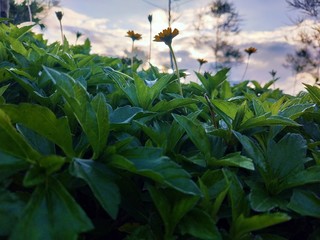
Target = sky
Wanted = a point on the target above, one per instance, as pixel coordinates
(264, 25)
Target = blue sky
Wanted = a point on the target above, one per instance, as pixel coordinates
(105, 22)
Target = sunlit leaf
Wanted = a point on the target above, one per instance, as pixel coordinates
(12, 143)
(43, 121)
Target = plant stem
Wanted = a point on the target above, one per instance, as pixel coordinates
(245, 70)
(132, 49)
(177, 69)
(150, 42)
(212, 113)
(61, 30)
(29, 11)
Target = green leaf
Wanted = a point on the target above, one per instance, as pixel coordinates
(12, 143)
(258, 107)
(92, 116)
(148, 162)
(10, 165)
(287, 156)
(226, 110)
(200, 225)
(144, 97)
(239, 116)
(99, 139)
(27, 82)
(124, 114)
(44, 122)
(166, 106)
(238, 200)
(254, 152)
(305, 203)
(46, 166)
(175, 134)
(101, 181)
(295, 111)
(34, 176)
(3, 89)
(18, 47)
(314, 92)
(172, 206)
(211, 83)
(38, 142)
(233, 160)
(52, 163)
(51, 214)
(196, 134)
(11, 207)
(157, 134)
(226, 91)
(244, 225)
(262, 201)
(265, 120)
(308, 176)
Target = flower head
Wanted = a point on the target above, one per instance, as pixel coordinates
(59, 15)
(166, 36)
(250, 50)
(202, 61)
(273, 73)
(78, 34)
(134, 36)
(150, 18)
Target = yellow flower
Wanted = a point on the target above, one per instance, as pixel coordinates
(250, 50)
(134, 36)
(166, 36)
(202, 61)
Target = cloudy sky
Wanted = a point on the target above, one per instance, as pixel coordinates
(265, 24)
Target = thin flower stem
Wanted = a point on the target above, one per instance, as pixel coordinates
(61, 30)
(132, 49)
(245, 70)
(29, 11)
(150, 42)
(177, 69)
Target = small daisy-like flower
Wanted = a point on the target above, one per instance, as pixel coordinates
(78, 34)
(166, 36)
(273, 73)
(134, 36)
(59, 15)
(250, 50)
(202, 61)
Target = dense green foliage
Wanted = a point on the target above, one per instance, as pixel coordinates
(88, 150)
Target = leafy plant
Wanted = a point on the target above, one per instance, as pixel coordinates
(89, 149)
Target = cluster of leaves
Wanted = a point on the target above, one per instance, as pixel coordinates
(90, 149)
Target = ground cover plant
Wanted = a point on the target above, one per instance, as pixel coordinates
(88, 150)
